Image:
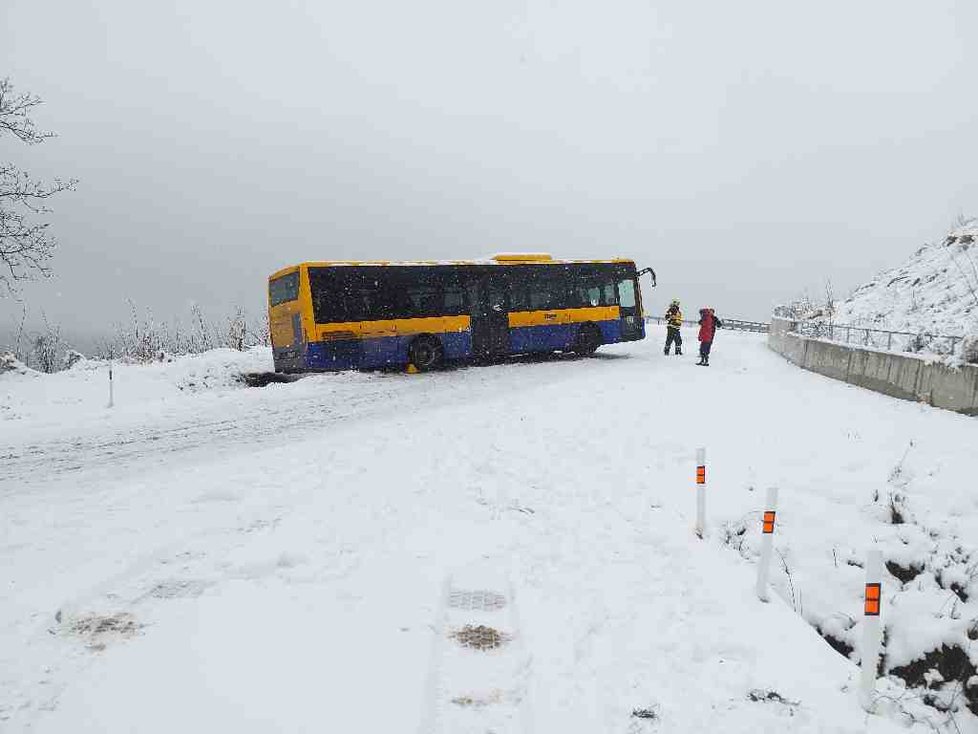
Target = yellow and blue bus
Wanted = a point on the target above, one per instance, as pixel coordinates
(368, 315)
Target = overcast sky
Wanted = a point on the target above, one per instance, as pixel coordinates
(746, 150)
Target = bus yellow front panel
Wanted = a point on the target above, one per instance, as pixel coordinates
(280, 324)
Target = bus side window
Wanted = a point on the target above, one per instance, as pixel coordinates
(329, 293)
(609, 295)
(454, 302)
(542, 298)
(549, 288)
(422, 301)
(472, 296)
(519, 294)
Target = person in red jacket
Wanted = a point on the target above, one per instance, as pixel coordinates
(709, 323)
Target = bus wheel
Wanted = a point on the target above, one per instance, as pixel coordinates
(588, 340)
(426, 353)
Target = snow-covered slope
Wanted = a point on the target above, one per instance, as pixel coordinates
(39, 400)
(935, 291)
(312, 556)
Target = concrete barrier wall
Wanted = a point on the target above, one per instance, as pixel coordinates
(899, 375)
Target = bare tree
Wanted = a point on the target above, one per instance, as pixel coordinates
(829, 299)
(25, 243)
(259, 332)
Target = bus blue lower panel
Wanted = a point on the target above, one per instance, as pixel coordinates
(544, 338)
(351, 354)
(610, 331)
(548, 337)
(347, 354)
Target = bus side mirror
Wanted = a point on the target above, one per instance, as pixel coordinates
(651, 273)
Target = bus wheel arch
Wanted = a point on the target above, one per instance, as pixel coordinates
(426, 352)
(587, 340)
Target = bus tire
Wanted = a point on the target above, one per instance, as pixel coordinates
(587, 341)
(426, 353)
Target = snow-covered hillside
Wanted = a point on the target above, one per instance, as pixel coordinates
(503, 548)
(934, 292)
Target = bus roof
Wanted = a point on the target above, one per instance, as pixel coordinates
(501, 259)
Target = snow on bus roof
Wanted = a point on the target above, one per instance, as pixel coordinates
(504, 258)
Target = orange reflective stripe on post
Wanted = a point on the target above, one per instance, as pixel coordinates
(701, 491)
(767, 543)
(873, 600)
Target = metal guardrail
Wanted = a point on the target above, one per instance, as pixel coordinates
(758, 327)
(903, 341)
(661, 321)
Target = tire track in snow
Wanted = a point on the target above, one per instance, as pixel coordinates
(264, 423)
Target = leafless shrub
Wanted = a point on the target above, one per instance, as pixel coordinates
(202, 335)
(919, 343)
(259, 332)
(236, 331)
(143, 339)
(44, 351)
(16, 346)
(793, 593)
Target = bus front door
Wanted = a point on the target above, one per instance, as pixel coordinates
(630, 309)
(490, 319)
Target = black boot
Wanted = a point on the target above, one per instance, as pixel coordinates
(679, 351)
(666, 351)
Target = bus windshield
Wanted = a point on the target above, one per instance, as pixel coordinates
(283, 289)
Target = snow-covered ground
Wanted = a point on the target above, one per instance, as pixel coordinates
(934, 292)
(312, 556)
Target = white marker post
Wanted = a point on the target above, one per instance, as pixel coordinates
(700, 492)
(111, 401)
(767, 543)
(870, 651)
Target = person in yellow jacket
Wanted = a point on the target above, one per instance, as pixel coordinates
(674, 322)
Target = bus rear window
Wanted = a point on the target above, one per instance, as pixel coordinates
(284, 289)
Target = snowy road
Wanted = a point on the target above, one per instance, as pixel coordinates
(233, 421)
(277, 559)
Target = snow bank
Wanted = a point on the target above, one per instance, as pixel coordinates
(9, 364)
(83, 389)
